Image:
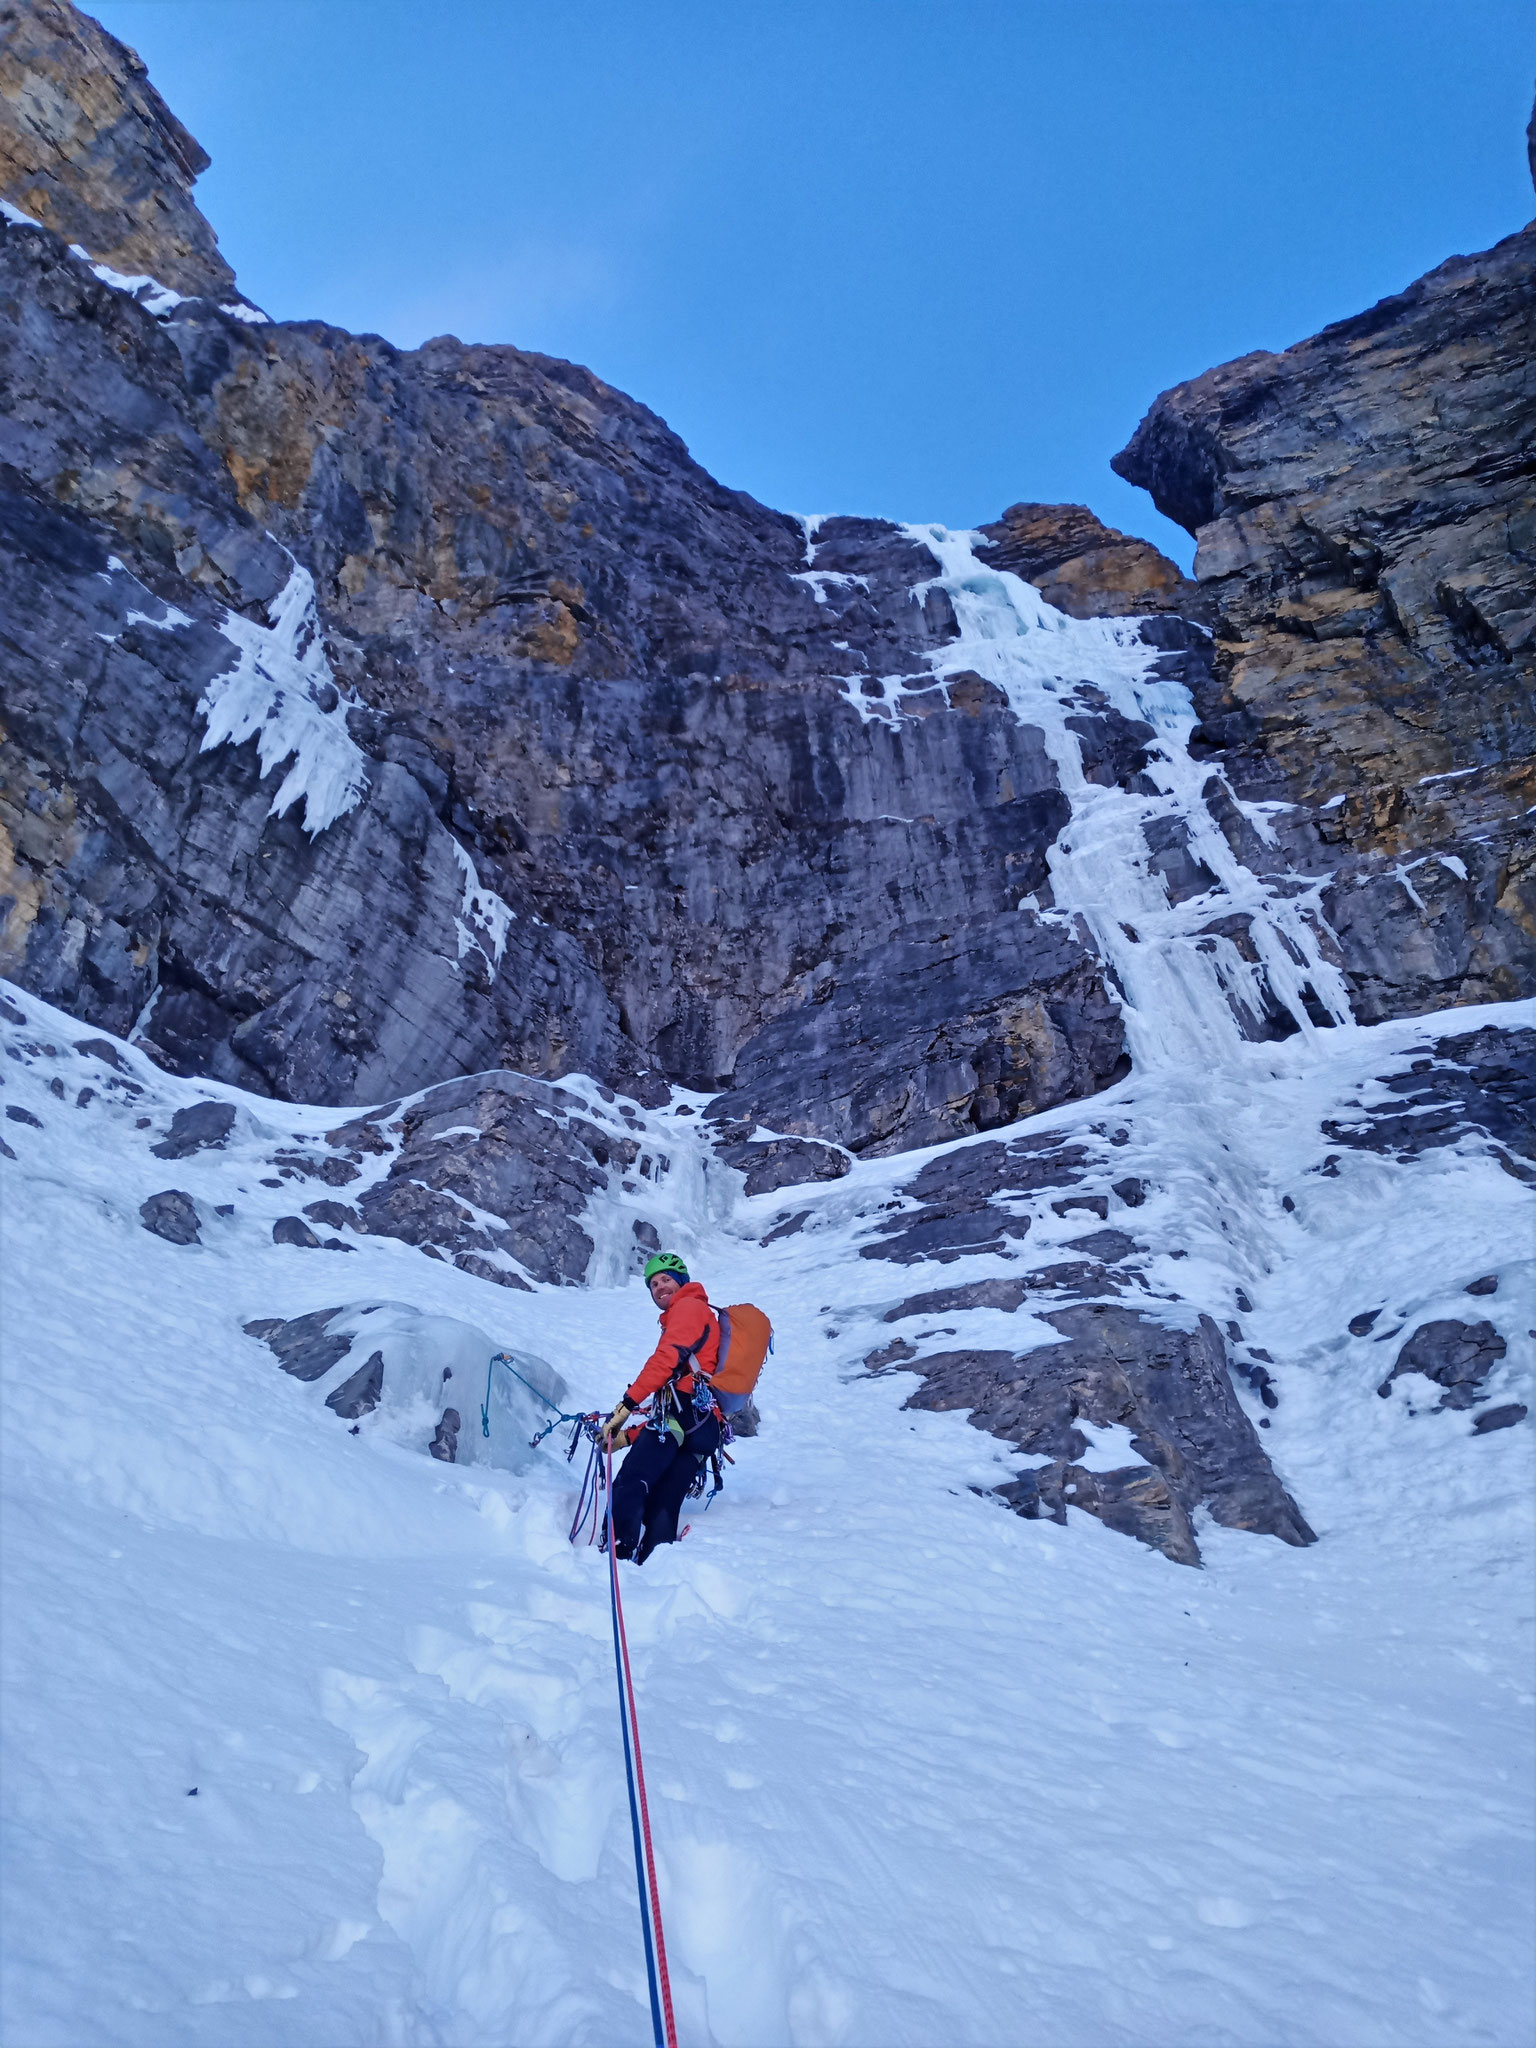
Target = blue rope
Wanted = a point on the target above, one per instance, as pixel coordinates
(501, 1358)
(591, 1487)
(629, 1772)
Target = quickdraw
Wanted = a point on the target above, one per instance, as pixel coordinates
(696, 1490)
(593, 1481)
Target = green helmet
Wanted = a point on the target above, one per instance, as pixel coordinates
(664, 1262)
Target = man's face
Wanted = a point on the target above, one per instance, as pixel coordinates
(663, 1287)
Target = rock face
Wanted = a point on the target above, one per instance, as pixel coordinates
(708, 861)
(958, 1212)
(514, 1148)
(1120, 1361)
(977, 1028)
(499, 1174)
(89, 148)
(1087, 569)
(1192, 1443)
(1366, 521)
(333, 964)
(374, 716)
(1481, 1082)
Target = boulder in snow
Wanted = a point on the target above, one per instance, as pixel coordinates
(785, 1162)
(1136, 1501)
(199, 1125)
(1109, 1245)
(301, 1344)
(1499, 1418)
(1456, 1356)
(100, 1049)
(172, 1214)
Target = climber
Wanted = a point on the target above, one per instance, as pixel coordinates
(683, 1428)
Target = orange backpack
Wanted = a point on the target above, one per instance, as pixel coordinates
(746, 1338)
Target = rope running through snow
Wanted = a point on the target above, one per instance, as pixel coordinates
(639, 1813)
(601, 1473)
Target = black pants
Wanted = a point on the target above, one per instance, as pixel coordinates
(653, 1483)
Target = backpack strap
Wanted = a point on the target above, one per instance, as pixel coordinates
(687, 1354)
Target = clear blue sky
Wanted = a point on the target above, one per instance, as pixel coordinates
(911, 257)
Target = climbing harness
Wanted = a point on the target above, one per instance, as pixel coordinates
(660, 1985)
(501, 1358)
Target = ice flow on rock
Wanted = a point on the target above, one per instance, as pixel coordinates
(1188, 991)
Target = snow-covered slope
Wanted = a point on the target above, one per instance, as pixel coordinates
(312, 1738)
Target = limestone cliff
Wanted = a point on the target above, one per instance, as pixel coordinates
(579, 665)
(1087, 569)
(375, 716)
(1366, 516)
(89, 148)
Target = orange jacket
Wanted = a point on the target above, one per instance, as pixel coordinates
(688, 1319)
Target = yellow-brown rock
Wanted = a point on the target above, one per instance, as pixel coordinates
(1085, 568)
(89, 148)
(1366, 520)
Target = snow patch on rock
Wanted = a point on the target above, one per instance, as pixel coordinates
(157, 299)
(484, 910)
(282, 694)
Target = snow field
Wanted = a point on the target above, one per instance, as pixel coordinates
(920, 1771)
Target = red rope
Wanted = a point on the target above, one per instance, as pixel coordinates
(645, 1815)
